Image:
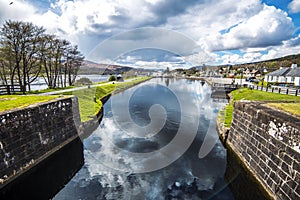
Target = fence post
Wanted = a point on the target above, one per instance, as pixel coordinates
(296, 93)
(8, 89)
(272, 90)
(266, 89)
(279, 90)
(287, 90)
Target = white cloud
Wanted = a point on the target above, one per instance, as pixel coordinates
(269, 27)
(19, 10)
(294, 6)
(213, 16)
(216, 25)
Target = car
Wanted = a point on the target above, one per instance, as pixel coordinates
(252, 79)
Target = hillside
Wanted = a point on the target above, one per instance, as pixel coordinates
(272, 64)
(88, 67)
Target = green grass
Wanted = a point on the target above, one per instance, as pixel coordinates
(253, 95)
(293, 108)
(89, 98)
(88, 108)
(8, 102)
(122, 85)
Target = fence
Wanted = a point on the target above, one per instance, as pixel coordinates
(288, 91)
(9, 89)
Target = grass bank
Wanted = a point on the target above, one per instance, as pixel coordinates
(255, 95)
(8, 102)
(89, 99)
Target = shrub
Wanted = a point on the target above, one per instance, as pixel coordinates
(84, 81)
(112, 78)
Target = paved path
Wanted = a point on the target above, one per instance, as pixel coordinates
(80, 88)
(72, 89)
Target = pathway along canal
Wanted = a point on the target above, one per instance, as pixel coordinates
(124, 162)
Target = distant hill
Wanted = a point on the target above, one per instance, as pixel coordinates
(272, 64)
(88, 67)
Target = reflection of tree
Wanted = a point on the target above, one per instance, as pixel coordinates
(167, 70)
(167, 82)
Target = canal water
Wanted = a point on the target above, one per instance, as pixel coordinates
(157, 140)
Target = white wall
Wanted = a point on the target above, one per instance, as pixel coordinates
(297, 81)
(281, 79)
(290, 79)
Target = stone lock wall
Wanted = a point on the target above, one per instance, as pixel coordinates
(28, 135)
(267, 141)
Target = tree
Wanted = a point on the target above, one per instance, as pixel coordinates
(27, 52)
(19, 41)
(73, 63)
(84, 81)
(112, 78)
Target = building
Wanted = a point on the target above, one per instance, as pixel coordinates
(287, 75)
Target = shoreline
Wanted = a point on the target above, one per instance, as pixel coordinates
(88, 127)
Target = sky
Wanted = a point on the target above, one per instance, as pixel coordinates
(167, 33)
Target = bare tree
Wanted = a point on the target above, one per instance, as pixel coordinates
(26, 53)
(20, 40)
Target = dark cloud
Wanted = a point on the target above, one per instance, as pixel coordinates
(144, 38)
(293, 42)
(151, 55)
(166, 8)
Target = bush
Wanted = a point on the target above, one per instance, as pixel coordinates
(112, 78)
(84, 81)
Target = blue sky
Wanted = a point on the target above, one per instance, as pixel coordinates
(168, 33)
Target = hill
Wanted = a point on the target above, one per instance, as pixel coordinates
(88, 67)
(272, 64)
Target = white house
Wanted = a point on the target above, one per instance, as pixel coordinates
(293, 76)
(285, 75)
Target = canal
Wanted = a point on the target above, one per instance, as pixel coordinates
(158, 140)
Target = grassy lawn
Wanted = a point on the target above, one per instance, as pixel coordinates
(255, 95)
(293, 108)
(122, 85)
(8, 102)
(89, 99)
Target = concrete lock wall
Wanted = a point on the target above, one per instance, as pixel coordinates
(267, 143)
(29, 135)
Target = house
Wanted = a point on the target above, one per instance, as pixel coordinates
(255, 72)
(293, 76)
(289, 75)
(120, 78)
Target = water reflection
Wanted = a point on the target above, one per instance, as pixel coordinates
(110, 169)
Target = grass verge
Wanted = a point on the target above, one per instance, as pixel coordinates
(8, 102)
(255, 95)
(293, 108)
(89, 99)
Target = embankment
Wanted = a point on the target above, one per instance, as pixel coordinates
(31, 138)
(41, 147)
(267, 143)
